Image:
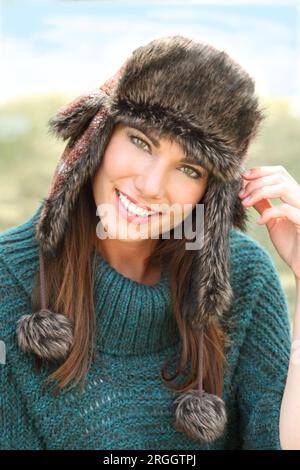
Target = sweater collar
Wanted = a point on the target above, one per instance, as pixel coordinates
(133, 318)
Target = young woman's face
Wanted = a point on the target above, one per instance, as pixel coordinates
(148, 173)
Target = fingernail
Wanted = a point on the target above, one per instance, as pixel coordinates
(247, 173)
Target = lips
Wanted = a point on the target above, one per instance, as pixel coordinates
(132, 217)
(142, 206)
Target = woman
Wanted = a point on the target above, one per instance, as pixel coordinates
(118, 299)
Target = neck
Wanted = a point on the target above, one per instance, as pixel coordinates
(130, 258)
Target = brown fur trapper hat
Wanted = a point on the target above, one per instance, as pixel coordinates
(199, 94)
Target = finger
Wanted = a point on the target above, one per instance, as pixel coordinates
(282, 210)
(250, 186)
(259, 171)
(282, 190)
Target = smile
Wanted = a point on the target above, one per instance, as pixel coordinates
(134, 208)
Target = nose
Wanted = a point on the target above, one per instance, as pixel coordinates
(151, 182)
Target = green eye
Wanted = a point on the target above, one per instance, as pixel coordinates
(132, 137)
(196, 174)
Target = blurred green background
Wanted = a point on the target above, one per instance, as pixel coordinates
(29, 156)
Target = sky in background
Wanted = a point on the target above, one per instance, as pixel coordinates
(73, 46)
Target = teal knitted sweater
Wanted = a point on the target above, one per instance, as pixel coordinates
(125, 403)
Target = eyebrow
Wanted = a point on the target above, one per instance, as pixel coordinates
(154, 137)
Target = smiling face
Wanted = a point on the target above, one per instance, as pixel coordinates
(140, 172)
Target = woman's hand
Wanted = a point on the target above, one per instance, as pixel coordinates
(283, 221)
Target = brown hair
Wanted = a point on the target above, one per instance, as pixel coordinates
(69, 280)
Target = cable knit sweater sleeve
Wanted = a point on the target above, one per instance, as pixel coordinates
(263, 363)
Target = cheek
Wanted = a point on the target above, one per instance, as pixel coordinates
(118, 163)
(191, 192)
(114, 166)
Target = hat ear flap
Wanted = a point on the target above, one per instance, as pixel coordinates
(240, 214)
(210, 289)
(71, 120)
(80, 160)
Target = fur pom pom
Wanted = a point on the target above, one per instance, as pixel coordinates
(49, 335)
(202, 417)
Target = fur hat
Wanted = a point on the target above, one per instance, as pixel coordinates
(199, 94)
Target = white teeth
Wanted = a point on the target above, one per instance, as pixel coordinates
(133, 207)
